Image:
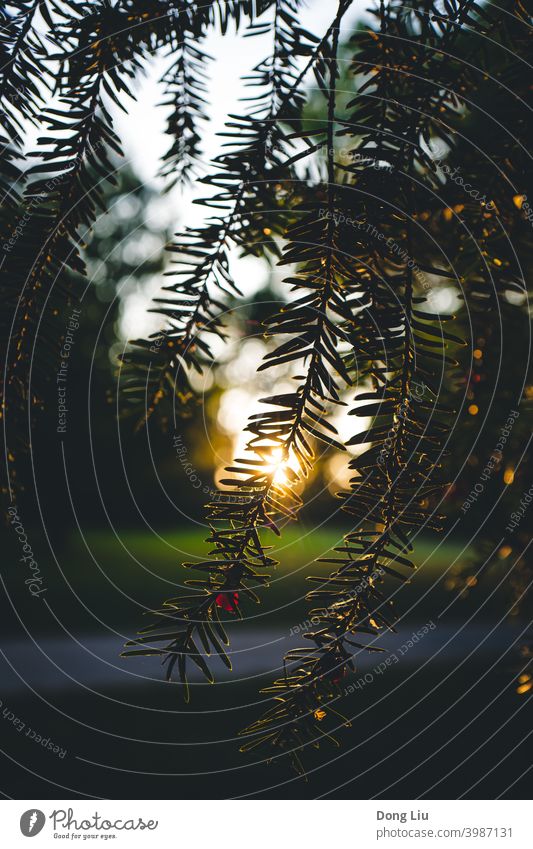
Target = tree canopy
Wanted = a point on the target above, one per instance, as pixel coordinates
(402, 170)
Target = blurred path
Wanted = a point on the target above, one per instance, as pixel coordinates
(58, 663)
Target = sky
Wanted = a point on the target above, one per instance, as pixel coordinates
(234, 56)
(142, 130)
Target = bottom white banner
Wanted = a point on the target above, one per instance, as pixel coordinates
(268, 823)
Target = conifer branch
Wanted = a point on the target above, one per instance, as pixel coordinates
(95, 56)
(245, 176)
(280, 453)
(22, 77)
(395, 478)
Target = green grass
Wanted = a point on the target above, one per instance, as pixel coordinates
(138, 553)
(118, 575)
(296, 550)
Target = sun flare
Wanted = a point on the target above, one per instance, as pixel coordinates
(278, 465)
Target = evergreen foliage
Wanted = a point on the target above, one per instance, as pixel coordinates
(368, 237)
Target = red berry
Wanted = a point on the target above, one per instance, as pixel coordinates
(227, 601)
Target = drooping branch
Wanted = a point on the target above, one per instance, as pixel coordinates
(280, 454)
(99, 46)
(397, 477)
(185, 88)
(23, 81)
(95, 56)
(245, 177)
